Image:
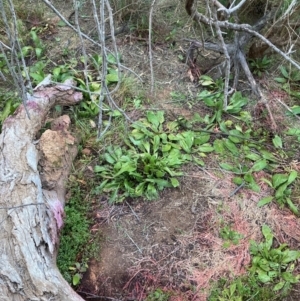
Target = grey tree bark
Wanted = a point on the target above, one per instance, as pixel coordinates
(31, 212)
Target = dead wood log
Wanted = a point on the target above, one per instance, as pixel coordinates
(31, 202)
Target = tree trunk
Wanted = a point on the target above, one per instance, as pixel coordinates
(31, 202)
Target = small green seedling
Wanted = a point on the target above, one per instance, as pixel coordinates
(158, 295)
(78, 269)
(260, 65)
(230, 236)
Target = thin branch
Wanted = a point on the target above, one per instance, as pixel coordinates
(230, 10)
(134, 242)
(150, 46)
(227, 59)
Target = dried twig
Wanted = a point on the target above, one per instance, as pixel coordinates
(137, 217)
(227, 59)
(134, 243)
(150, 47)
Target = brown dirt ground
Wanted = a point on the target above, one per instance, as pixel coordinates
(173, 243)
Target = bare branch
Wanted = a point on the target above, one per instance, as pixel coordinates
(227, 59)
(150, 47)
(230, 10)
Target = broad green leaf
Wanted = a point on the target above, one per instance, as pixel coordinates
(290, 255)
(137, 134)
(254, 186)
(226, 166)
(266, 230)
(161, 183)
(269, 156)
(173, 137)
(284, 72)
(238, 180)
(189, 138)
(139, 190)
(259, 165)
(235, 136)
(264, 201)
(263, 276)
(219, 146)
(232, 288)
(223, 127)
(156, 143)
(126, 167)
(296, 109)
(172, 126)
(146, 145)
(206, 148)
(101, 186)
(187, 141)
(118, 152)
(109, 158)
(206, 77)
(38, 52)
(98, 168)
(279, 179)
(251, 182)
(174, 182)
(112, 59)
(37, 77)
(277, 141)
(202, 138)
(129, 187)
(6, 111)
(56, 71)
(253, 156)
(155, 118)
(184, 146)
(293, 132)
(292, 177)
(231, 147)
(198, 161)
(151, 192)
(268, 182)
(292, 206)
(206, 80)
(239, 129)
(76, 279)
(289, 277)
(236, 103)
(218, 115)
(163, 137)
(279, 286)
(248, 178)
(280, 80)
(26, 50)
(166, 148)
(280, 191)
(112, 78)
(209, 102)
(160, 174)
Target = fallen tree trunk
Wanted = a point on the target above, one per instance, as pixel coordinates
(31, 201)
